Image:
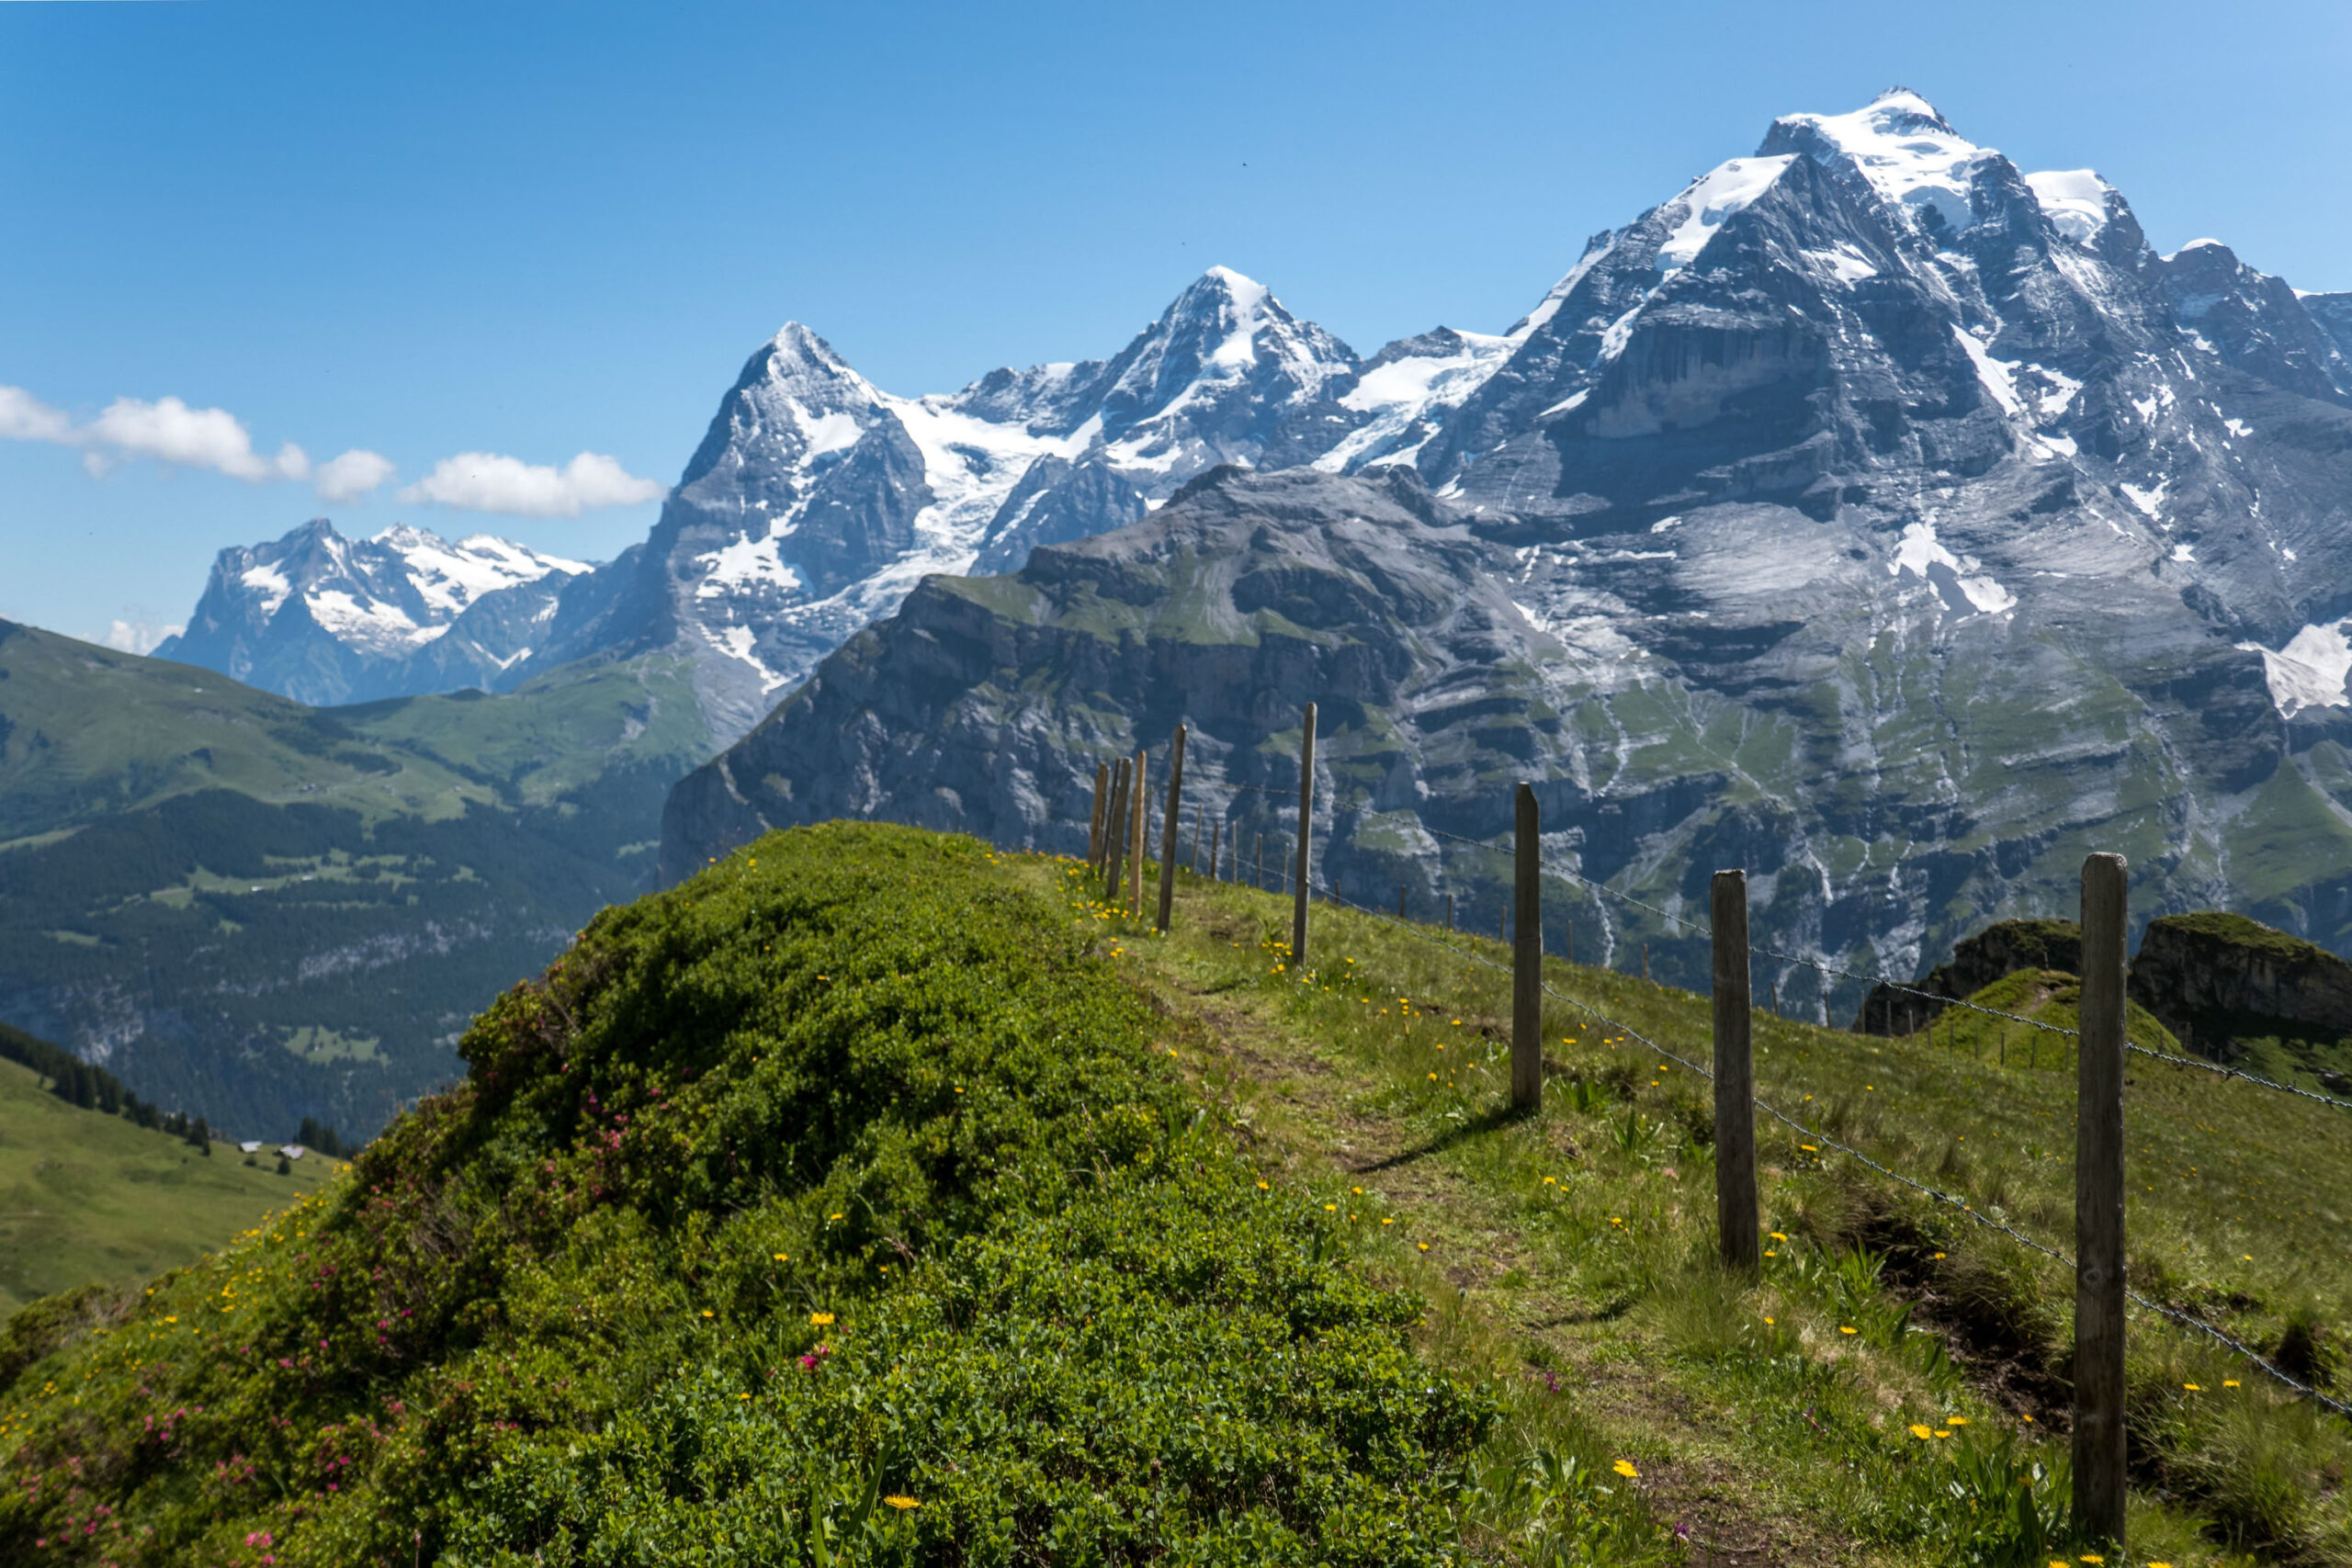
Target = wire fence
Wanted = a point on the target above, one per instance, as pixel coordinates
(1864, 977)
(1825, 1140)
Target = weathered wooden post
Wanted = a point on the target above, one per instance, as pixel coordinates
(1140, 805)
(1115, 832)
(1095, 826)
(2098, 1209)
(1305, 838)
(1527, 959)
(1735, 1210)
(1200, 821)
(1168, 833)
(1216, 832)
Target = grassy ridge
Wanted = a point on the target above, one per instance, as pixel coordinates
(92, 1199)
(841, 1175)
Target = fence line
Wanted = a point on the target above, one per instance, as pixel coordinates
(1826, 1140)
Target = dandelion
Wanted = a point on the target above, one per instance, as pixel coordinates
(902, 1502)
(822, 1319)
(2226, 1382)
(1263, 1187)
(1330, 1208)
(1425, 1247)
(1845, 1328)
(1920, 1432)
(1810, 1148)
(1955, 1420)
(2194, 1388)
(1775, 1236)
(783, 1257)
(1624, 1467)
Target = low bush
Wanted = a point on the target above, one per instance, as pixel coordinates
(833, 1207)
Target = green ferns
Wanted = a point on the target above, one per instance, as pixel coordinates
(833, 1208)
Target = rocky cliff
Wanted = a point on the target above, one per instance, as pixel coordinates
(2000, 950)
(2215, 978)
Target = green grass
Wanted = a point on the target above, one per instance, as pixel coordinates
(873, 1163)
(87, 1199)
(1581, 1237)
(843, 1173)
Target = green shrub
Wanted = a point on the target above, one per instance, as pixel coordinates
(839, 1174)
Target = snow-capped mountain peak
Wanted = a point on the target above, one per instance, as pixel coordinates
(2078, 203)
(1900, 148)
(327, 619)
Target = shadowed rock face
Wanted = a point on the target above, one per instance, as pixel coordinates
(2210, 977)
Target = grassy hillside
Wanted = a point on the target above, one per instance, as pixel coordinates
(874, 1166)
(90, 1199)
(257, 911)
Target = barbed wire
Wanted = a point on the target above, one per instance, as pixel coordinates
(2173, 1314)
(2228, 1072)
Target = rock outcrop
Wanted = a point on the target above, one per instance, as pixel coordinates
(2213, 978)
(1999, 951)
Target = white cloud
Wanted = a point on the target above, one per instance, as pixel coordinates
(170, 432)
(490, 481)
(139, 637)
(353, 474)
(24, 417)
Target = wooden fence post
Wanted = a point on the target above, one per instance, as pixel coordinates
(1168, 833)
(1305, 838)
(1200, 822)
(1527, 959)
(1140, 806)
(1736, 1211)
(2098, 1210)
(1095, 829)
(1115, 832)
(1216, 832)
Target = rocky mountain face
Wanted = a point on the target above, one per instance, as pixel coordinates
(324, 619)
(1871, 514)
(816, 502)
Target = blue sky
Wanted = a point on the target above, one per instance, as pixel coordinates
(538, 230)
